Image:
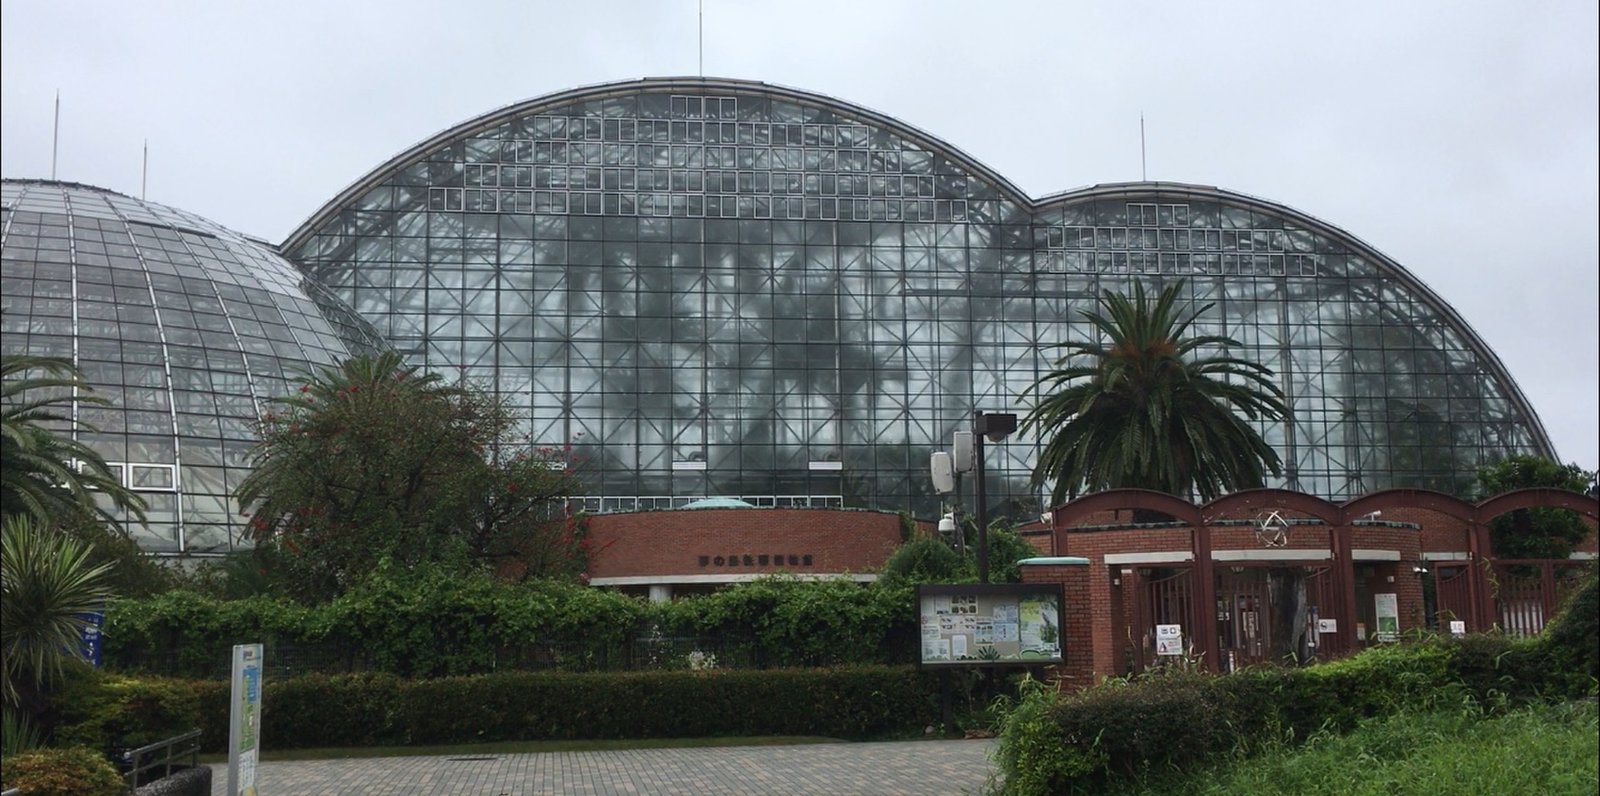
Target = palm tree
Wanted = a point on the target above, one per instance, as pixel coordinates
(44, 473)
(47, 580)
(1144, 407)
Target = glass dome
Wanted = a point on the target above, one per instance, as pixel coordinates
(721, 288)
(186, 326)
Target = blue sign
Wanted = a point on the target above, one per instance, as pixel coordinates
(89, 637)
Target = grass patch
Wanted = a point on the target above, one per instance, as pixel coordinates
(1545, 750)
(522, 747)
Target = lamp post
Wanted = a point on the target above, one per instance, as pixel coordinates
(993, 426)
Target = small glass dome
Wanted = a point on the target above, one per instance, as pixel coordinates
(185, 326)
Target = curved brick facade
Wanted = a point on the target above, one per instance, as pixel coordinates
(1224, 581)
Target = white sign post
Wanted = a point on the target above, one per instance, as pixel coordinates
(1169, 639)
(244, 720)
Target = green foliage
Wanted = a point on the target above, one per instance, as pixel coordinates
(425, 622)
(1540, 532)
(130, 571)
(789, 622)
(375, 461)
(361, 710)
(1573, 637)
(47, 581)
(18, 733)
(44, 473)
(927, 559)
(1537, 750)
(1146, 407)
(1126, 732)
(1006, 548)
(62, 772)
(1034, 755)
(370, 709)
(100, 709)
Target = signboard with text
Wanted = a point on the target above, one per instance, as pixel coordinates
(989, 624)
(244, 720)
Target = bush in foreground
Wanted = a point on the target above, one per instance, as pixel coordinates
(384, 710)
(72, 771)
(1127, 731)
(1546, 750)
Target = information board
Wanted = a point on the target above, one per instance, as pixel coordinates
(244, 720)
(989, 624)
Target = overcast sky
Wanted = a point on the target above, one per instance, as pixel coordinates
(1460, 138)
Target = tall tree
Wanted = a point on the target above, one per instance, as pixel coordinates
(373, 460)
(43, 472)
(1534, 533)
(1145, 406)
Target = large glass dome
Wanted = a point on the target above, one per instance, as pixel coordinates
(725, 288)
(187, 327)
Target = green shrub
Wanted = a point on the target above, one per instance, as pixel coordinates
(1034, 755)
(1573, 637)
(99, 710)
(1130, 730)
(364, 710)
(74, 771)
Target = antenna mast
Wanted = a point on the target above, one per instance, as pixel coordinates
(701, 39)
(1144, 174)
(55, 136)
(144, 176)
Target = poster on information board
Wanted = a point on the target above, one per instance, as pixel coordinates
(993, 624)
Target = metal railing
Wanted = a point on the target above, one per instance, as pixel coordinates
(162, 755)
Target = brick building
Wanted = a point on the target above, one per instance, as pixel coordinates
(1273, 574)
(715, 542)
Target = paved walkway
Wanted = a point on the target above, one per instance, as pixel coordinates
(912, 768)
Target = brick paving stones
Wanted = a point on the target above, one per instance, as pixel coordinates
(909, 768)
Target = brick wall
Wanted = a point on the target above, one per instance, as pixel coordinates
(740, 541)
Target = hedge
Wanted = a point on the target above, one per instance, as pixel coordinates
(432, 625)
(1174, 722)
(373, 709)
(73, 771)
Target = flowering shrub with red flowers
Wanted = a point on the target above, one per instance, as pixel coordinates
(376, 461)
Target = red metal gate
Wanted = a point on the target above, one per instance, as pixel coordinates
(1452, 595)
(1527, 593)
(1244, 623)
(1165, 600)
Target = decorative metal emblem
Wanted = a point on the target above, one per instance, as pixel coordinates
(1272, 530)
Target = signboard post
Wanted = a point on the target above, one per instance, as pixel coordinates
(244, 720)
(993, 624)
(89, 637)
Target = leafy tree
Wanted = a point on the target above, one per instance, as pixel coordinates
(926, 559)
(373, 461)
(43, 473)
(48, 579)
(929, 559)
(1534, 533)
(1147, 407)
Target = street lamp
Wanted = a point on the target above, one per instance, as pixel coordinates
(993, 426)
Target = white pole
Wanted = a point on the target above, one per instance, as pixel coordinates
(55, 136)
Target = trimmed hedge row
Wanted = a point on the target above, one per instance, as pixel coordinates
(1181, 721)
(429, 624)
(373, 709)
